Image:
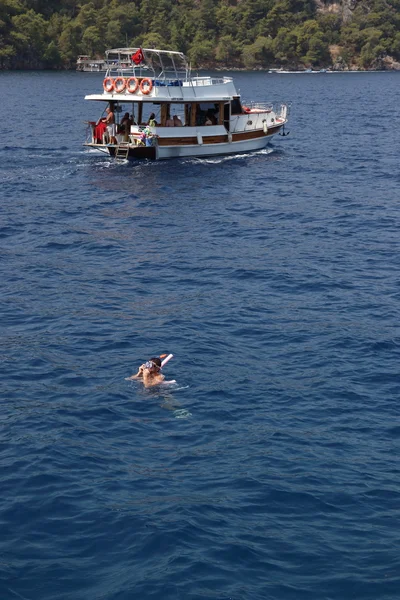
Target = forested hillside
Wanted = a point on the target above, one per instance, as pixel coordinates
(213, 33)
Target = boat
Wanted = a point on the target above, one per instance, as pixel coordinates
(169, 113)
(286, 72)
(120, 58)
(90, 65)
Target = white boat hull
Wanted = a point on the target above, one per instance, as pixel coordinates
(181, 147)
(196, 150)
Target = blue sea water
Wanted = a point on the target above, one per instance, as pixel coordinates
(270, 471)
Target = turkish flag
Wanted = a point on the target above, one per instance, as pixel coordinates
(138, 57)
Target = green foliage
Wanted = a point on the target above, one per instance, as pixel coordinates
(51, 56)
(201, 52)
(224, 33)
(69, 43)
(394, 48)
(29, 36)
(92, 43)
(258, 54)
(227, 51)
(285, 44)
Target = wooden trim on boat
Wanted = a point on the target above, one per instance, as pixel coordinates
(164, 113)
(247, 135)
(252, 135)
(216, 139)
(192, 141)
(184, 141)
(193, 114)
(221, 113)
(274, 129)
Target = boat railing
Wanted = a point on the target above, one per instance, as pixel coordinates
(200, 81)
(260, 106)
(158, 65)
(157, 77)
(282, 110)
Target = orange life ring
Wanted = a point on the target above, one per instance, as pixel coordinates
(134, 80)
(119, 84)
(146, 82)
(108, 84)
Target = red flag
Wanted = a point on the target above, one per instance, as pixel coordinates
(138, 57)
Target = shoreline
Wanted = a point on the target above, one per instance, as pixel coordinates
(270, 71)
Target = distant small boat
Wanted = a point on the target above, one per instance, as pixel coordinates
(284, 72)
(90, 65)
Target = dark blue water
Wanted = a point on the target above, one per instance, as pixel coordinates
(271, 470)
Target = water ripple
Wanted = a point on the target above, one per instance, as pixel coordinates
(270, 470)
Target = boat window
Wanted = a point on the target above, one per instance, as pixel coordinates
(236, 107)
(140, 111)
(165, 111)
(179, 111)
(207, 111)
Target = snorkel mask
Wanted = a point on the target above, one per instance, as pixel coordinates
(149, 365)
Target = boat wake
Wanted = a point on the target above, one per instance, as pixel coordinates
(222, 159)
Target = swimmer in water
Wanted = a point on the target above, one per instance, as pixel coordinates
(152, 373)
(149, 372)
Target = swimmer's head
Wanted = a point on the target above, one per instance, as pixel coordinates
(153, 363)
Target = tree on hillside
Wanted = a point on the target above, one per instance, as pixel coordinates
(29, 37)
(244, 33)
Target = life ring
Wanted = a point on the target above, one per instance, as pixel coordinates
(134, 80)
(119, 84)
(149, 86)
(108, 84)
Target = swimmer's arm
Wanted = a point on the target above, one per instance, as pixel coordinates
(138, 375)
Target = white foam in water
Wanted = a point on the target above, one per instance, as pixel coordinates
(182, 413)
(92, 151)
(176, 388)
(221, 159)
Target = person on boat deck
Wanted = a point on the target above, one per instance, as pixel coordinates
(150, 372)
(125, 126)
(169, 122)
(99, 131)
(152, 120)
(126, 121)
(177, 121)
(110, 122)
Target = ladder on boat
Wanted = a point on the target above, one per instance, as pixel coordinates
(122, 151)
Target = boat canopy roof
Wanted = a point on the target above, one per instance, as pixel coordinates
(160, 64)
(166, 75)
